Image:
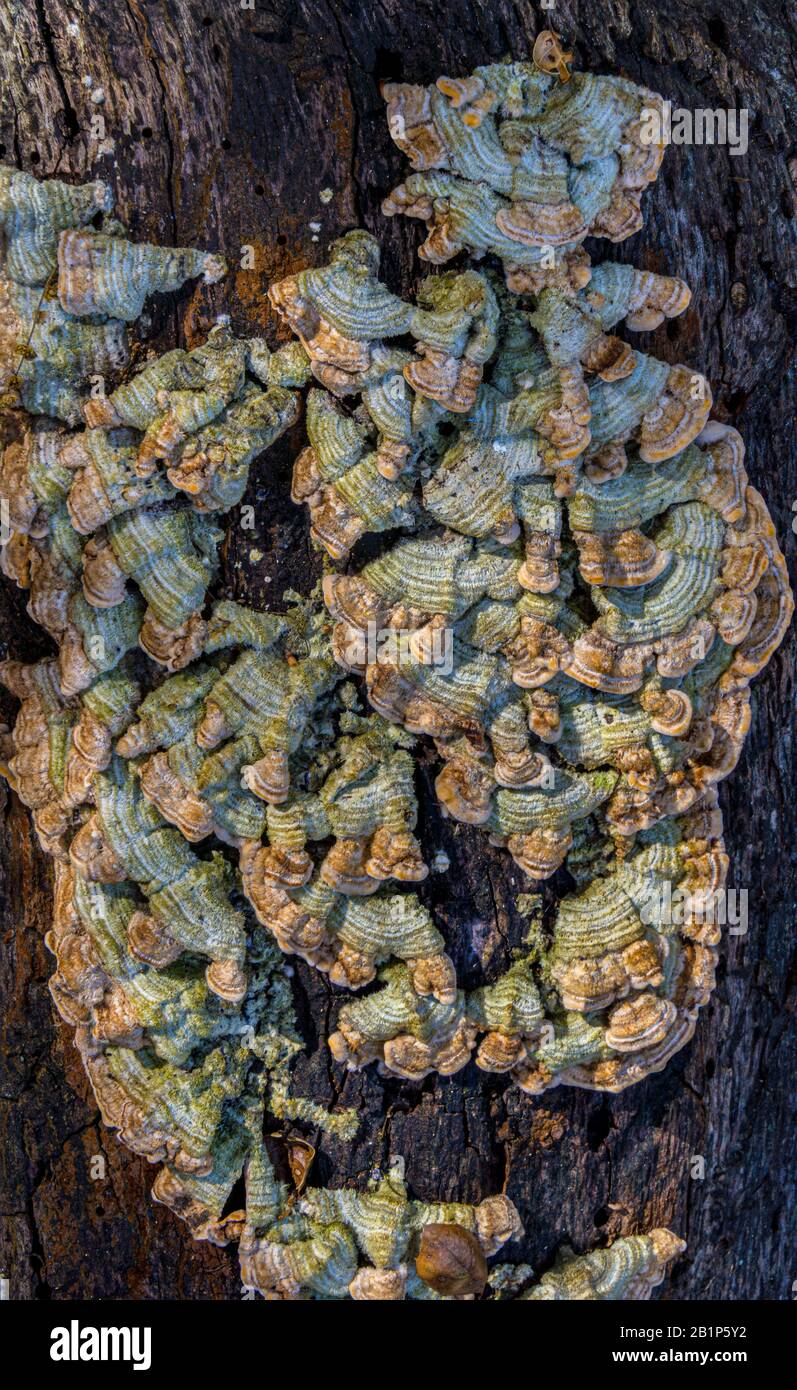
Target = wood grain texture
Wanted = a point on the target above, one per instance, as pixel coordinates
(223, 127)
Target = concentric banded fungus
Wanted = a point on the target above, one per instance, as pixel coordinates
(409, 1033)
(102, 274)
(511, 161)
(587, 588)
(184, 1055)
(316, 1249)
(341, 312)
(630, 1268)
(590, 585)
(67, 291)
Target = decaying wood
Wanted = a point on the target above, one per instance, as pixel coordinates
(224, 127)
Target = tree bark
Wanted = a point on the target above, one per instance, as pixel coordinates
(224, 127)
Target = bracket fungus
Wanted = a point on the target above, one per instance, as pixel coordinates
(180, 1002)
(629, 1268)
(511, 161)
(582, 587)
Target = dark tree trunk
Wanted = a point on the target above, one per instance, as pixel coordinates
(224, 126)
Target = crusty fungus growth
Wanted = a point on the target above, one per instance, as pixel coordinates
(582, 587)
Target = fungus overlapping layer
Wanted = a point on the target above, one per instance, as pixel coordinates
(579, 582)
(584, 587)
(629, 1268)
(510, 161)
(181, 1003)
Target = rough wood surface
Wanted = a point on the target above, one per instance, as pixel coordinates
(224, 124)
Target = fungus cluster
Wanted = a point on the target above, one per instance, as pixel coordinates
(582, 586)
(579, 580)
(166, 727)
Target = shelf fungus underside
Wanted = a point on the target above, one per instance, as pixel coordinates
(574, 587)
